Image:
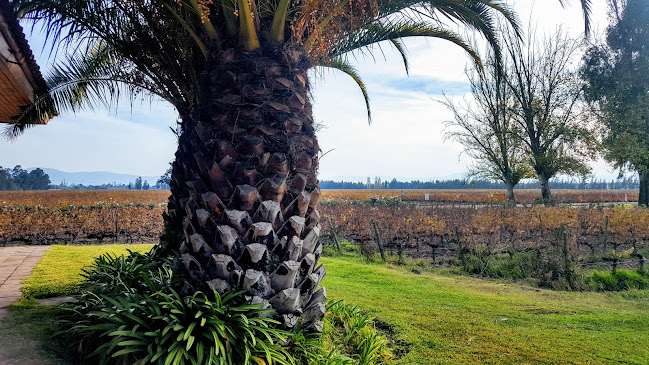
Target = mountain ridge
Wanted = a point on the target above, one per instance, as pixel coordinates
(58, 177)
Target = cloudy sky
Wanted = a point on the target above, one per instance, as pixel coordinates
(405, 139)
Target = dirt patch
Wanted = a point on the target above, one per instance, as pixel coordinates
(400, 348)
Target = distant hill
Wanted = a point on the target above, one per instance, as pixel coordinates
(92, 177)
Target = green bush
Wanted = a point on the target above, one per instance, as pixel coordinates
(169, 329)
(346, 331)
(111, 274)
(128, 312)
(518, 266)
(618, 280)
(359, 333)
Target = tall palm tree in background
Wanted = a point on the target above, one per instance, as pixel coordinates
(244, 190)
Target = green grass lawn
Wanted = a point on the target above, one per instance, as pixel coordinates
(59, 271)
(462, 320)
(447, 319)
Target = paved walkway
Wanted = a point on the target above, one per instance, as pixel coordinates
(16, 265)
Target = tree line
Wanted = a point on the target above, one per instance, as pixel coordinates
(19, 179)
(538, 111)
(626, 183)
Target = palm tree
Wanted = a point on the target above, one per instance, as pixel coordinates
(243, 211)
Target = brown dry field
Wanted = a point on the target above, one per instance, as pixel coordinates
(64, 198)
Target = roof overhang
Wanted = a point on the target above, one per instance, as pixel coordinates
(20, 78)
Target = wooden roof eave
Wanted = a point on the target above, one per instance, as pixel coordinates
(20, 79)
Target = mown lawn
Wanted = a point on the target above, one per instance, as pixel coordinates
(59, 272)
(462, 320)
(448, 319)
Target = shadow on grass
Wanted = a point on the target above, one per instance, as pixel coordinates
(29, 335)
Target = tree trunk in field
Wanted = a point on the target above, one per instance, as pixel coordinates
(243, 208)
(643, 199)
(545, 189)
(510, 192)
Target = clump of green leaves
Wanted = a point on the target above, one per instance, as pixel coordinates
(348, 337)
(129, 313)
(618, 280)
(359, 334)
(166, 328)
(111, 274)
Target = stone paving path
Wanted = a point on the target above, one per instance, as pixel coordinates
(16, 265)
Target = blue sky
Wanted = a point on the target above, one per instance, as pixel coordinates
(405, 139)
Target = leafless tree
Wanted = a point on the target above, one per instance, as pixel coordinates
(546, 92)
(485, 126)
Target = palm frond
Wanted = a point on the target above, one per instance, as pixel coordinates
(386, 31)
(165, 47)
(400, 47)
(158, 38)
(343, 65)
(85, 81)
(586, 10)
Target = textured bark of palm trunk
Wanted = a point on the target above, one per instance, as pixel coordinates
(244, 205)
(643, 199)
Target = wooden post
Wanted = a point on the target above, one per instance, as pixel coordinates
(434, 255)
(116, 227)
(615, 257)
(378, 240)
(566, 255)
(400, 252)
(333, 230)
(606, 234)
(459, 242)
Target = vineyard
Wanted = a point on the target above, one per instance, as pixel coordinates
(486, 196)
(441, 232)
(412, 228)
(36, 217)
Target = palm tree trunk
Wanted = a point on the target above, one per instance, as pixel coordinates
(643, 199)
(545, 189)
(243, 210)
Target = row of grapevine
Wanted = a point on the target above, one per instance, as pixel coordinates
(423, 231)
(63, 198)
(115, 223)
(484, 196)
